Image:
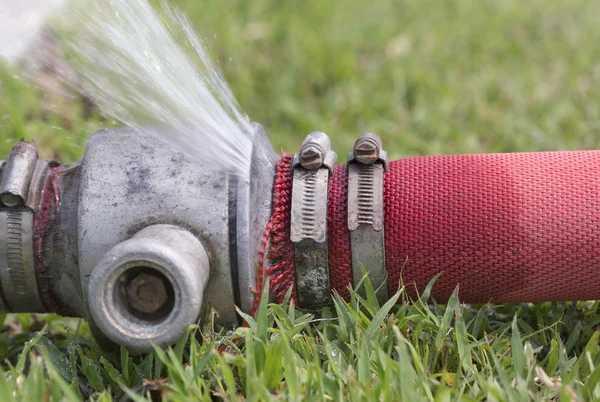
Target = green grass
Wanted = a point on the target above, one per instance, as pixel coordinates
(431, 77)
(360, 351)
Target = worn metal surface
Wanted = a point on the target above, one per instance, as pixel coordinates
(147, 292)
(365, 196)
(368, 150)
(33, 172)
(365, 212)
(253, 207)
(315, 152)
(56, 242)
(20, 185)
(165, 251)
(309, 205)
(17, 273)
(308, 229)
(17, 173)
(36, 183)
(131, 179)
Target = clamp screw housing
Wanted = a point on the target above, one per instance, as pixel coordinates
(311, 157)
(368, 150)
(315, 152)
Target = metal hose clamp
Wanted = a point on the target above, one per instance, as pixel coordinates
(20, 180)
(366, 165)
(313, 165)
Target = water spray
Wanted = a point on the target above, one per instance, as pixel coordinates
(140, 239)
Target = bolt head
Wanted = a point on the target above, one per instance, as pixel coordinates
(366, 151)
(311, 157)
(10, 200)
(147, 293)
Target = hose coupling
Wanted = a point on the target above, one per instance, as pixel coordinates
(313, 166)
(366, 165)
(140, 238)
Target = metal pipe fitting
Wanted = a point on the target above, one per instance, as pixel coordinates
(125, 237)
(149, 288)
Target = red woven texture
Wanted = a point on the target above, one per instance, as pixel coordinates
(340, 258)
(505, 227)
(276, 247)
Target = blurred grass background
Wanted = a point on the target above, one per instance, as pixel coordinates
(430, 77)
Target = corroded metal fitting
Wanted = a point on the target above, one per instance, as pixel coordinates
(313, 165)
(315, 152)
(150, 287)
(21, 179)
(147, 292)
(127, 237)
(366, 165)
(17, 174)
(368, 150)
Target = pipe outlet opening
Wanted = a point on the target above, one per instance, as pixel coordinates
(149, 288)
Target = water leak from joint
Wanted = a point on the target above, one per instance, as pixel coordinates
(148, 68)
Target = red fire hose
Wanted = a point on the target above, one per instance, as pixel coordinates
(522, 227)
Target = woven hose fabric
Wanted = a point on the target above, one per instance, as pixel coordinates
(520, 227)
(276, 251)
(338, 235)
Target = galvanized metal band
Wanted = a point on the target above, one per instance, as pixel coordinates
(308, 232)
(17, 173)
(365, 222)
(17, 270)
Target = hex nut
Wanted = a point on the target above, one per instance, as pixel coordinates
(147, 292)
